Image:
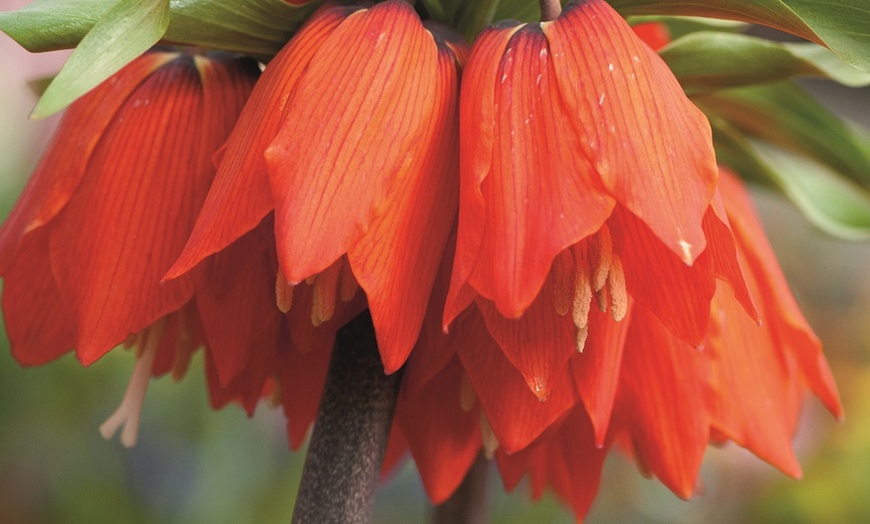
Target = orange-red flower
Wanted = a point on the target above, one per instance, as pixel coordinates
(350, 137)
(587, 177)
(108, 211)
(665, 400)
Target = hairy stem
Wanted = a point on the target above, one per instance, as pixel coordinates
(343, 464)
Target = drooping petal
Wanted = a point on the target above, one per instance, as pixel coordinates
(302, 377)
(782, 315)
(541, 196)
(330, 167)
(596, 371)
(235, 299)
(37, 323)
(397, 259)
(721, 255)
(660, 403)
(61, 169)
(539, 344)
(477, 122)
(131, 214)
(515, 414)
(649, 144)
(679, 295)
(752, 400)
(443, 435)
(239, 197)
(566, 459)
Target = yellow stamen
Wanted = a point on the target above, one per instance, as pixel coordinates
(563, 290)
(616, 288)
(467, 395)
(601, 300)
(283, 293)
(580, 340)
(582, 295)
(490, 442)
(325, 288)
(128, 413)
(601, 254)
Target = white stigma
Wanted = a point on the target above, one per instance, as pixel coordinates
(130, 410)
(687, 250)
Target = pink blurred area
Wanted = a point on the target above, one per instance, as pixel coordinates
(22, 137)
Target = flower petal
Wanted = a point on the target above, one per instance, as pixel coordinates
(331, 168)
(516, 415)
(660, 403)
(650, 145)
(539, 344)
(37, 324)
(752, 393)
(566, 459)
(596, 370)
(679, 295)
(235, 299)
(443, 437)
(130, 216)
(541, 196)
(239, 197)
(396, 260)
(62, 167)
(781, 313)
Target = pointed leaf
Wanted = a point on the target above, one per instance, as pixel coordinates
(843, 26)
(256, 27)
(48, 25)
(707, 60)
(788, 116)
(831, 202)
(123, 33)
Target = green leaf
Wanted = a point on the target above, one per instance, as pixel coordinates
(829, 201)
(706, 60)
(841, 25)
(786, 115)
(123, 33)
(48, 25)
(254, 27)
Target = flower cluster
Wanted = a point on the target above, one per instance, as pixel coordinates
(537, 225)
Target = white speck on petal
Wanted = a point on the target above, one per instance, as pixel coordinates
(687, 249)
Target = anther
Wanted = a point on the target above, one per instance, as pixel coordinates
(283, 293)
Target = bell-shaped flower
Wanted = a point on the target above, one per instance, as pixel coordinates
(107, 212)
(587, 180)
(667, 400)
(351, 139)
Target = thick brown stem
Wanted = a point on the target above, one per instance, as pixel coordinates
(468, 503)
(343, 464)
(550, 10)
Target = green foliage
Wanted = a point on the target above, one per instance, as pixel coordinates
(111, 33)
(786, 115)
(706, 60)
(828, 200)
(841, 25)
(123, 33)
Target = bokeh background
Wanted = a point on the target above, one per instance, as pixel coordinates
(195, 465)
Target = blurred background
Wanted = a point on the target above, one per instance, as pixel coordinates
(196, 465)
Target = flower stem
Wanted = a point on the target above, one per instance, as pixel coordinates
(343, 464)
(468, 503)
(550, 10)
